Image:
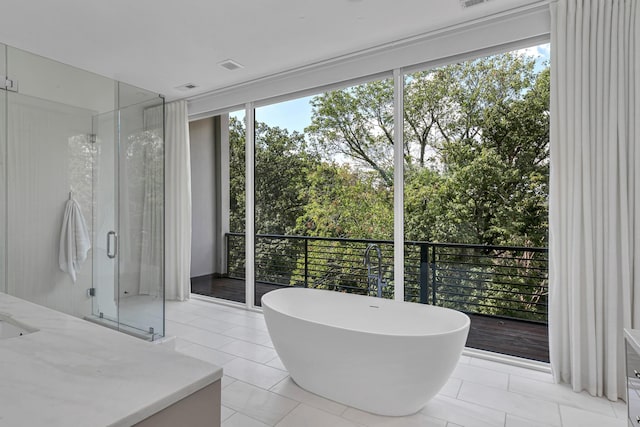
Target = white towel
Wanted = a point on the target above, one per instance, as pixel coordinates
(74, 239)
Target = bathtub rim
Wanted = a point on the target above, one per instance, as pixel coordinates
(466, 326)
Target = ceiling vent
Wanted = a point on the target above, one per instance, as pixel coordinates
(186, 87)
(230, 65)
(469, 3)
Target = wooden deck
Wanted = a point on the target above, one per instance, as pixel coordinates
(507, 336)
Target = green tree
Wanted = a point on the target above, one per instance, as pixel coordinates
(237, 190)
(358, 123)
(477, 131)
(282, 171)
(343, 202)
(282, 165)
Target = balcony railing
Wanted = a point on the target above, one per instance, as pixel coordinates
(500, 281)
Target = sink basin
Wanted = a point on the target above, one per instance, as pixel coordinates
(11, 328)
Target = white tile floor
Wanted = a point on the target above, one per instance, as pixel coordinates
(257, 391)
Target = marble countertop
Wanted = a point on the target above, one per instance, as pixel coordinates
(73, 372)
(633, 338)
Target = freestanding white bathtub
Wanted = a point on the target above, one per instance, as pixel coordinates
(382, 356)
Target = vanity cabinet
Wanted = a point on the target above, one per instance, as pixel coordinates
(200, 409)
(633, 380)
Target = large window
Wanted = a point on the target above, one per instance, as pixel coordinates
(476, 148)
(324, 192)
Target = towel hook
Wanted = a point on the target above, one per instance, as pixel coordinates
(70, 195)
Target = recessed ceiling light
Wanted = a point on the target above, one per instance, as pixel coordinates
(186, 86)
(230, 64)
(469, 3)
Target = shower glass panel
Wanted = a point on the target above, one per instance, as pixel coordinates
(50, 159)
(3, 173)
(129, 218)
(141, 210)
(105, 271)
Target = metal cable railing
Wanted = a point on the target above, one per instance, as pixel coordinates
(503, 281)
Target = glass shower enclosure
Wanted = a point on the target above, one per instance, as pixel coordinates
(128, 256)
(67, 133)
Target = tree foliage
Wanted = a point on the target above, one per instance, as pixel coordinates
(476, 133)
(283, 169)
(237, 190)
(357, 123)
(346, 203)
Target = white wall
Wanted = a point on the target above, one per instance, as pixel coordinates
(203, 200)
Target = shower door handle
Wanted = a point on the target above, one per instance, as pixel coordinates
(115, 244)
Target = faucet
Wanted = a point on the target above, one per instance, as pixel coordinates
(377, 277)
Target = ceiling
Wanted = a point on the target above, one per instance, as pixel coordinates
(161, 44)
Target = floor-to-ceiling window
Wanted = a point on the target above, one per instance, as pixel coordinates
(324, 191)
(476, 148)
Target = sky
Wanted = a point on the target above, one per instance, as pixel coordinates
(291, 115)
(541, 52)
(296, 114)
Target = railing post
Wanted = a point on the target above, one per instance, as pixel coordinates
(433, 275)
(227, 237)
(306, 263)
(424, 274)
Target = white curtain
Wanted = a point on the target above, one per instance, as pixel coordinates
(594, 207)
(178, 203)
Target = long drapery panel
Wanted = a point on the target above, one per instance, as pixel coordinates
(178, 203)
(594, 207)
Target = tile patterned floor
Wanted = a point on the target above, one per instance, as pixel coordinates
(257, 391)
